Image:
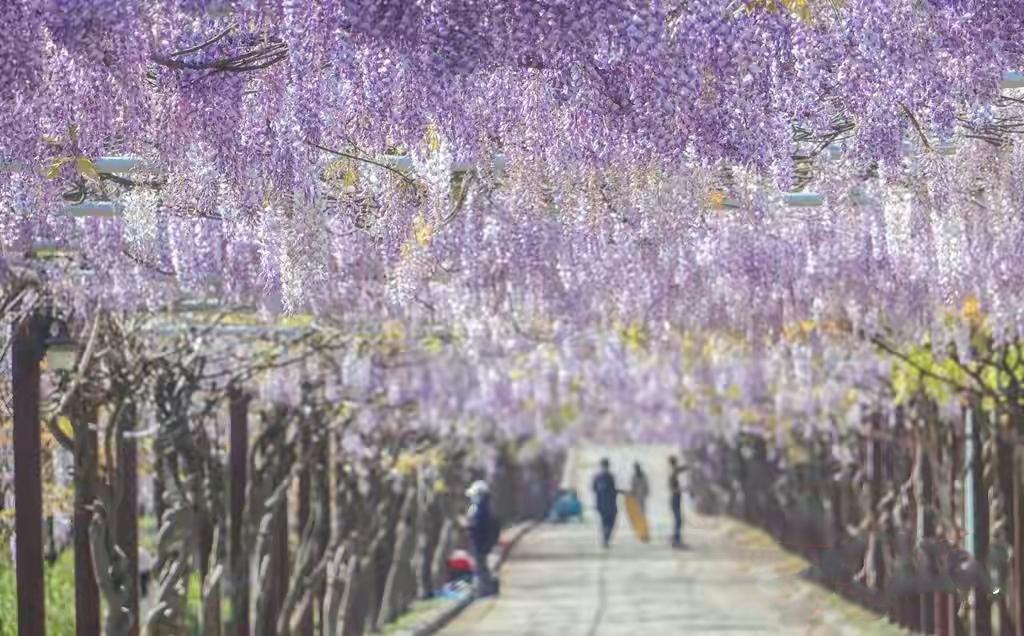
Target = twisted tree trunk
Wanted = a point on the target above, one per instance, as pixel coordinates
(924, 498)
(429, 535)
(238, 581)
(111, 572)
(1005, 527)
(127, 505)
(87, 594)
(296, 615)
(401, 577)
(340, 571)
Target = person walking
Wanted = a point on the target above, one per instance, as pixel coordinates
(639, 487)
(606, 494)
(483, 533)
(676, 500)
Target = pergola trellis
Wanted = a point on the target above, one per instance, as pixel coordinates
(274, 51)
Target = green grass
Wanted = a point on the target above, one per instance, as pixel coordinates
(60, 597)
(148, 533)
(417, 612)
(60, 601)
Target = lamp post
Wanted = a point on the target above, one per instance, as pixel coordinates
(61, 356)
(61, 350)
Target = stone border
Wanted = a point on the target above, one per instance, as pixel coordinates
(439, 619)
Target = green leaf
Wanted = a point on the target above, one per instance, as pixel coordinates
(432, 344)
(87, 169)
(54, 170)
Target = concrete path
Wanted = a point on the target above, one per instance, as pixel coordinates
(731, 579)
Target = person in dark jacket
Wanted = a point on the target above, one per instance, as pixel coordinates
(675, 502)
(483, 531)
(607, 495)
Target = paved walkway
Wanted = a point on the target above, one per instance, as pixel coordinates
(731, 579)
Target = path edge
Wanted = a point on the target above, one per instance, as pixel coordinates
(448, 614)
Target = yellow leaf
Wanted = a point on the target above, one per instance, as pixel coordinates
(392, 331)
(87, 169)
(800, 8)
(422, 231)
(568, 412)
(407, 463)
(717, 199)
(64, 424)
(635, 336)
(432, 344)
(433, 139)
(749, 416)
(971, 310)
(296, 321)
(54, 170)
(798, 454)
(350, 178)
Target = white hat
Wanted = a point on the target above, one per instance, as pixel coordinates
(477, 489)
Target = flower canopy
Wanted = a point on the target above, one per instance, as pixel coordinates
(525, 172)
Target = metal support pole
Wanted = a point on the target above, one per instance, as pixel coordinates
(976, 519)
(27, 351)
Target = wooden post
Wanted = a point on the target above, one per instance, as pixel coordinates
(323, 467)
(279, 555)
(128, 508)
(956, 626)
(837, 530)
(925, 527)
(306, 625)
(26, 356)
(238, 452)
(875, 474)
(944, 599)
(1018, 539)
(158, 491)
(87, 593)
(1007, 492)
(745, 507)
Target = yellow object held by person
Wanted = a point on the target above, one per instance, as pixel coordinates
(637, 519)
